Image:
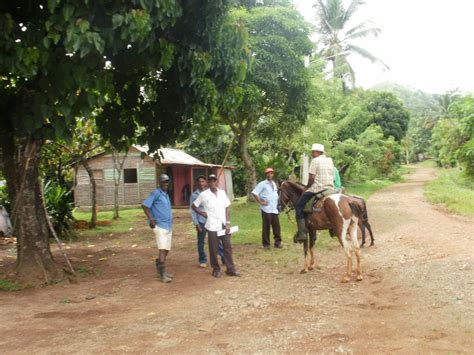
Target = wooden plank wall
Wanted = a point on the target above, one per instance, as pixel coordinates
(130, 193)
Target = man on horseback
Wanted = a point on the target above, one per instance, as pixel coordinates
(321, 177)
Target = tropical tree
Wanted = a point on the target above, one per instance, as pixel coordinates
(277, 84)
(337, 38)
(142, 62)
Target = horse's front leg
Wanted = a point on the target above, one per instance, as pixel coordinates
(306, 264)
(312, 242)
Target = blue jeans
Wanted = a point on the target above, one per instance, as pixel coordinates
(299, 207)
(201, 242)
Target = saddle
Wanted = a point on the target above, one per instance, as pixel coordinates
(317, 201)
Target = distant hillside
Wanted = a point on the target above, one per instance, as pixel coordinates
(417, 101)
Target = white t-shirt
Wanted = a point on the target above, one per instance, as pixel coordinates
(215, 208)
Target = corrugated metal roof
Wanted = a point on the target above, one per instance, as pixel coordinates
(171, 156)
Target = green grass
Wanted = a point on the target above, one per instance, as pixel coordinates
(127, 218)
(6, 285)
(452, 190)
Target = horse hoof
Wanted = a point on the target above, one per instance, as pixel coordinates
(359, 278)
(311, 268)
(372, 244)
(362, 245)
(304, 271)
(345, 279)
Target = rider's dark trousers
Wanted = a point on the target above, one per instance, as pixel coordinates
(270, 220)
(305, 197)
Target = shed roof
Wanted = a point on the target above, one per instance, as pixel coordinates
(172, 156)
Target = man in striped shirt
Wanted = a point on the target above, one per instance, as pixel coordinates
(321, 177)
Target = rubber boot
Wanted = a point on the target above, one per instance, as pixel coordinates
(301, 235)
(157, 262)
(162, 271)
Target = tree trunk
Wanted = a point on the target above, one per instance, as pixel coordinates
(251, 175)
(93, 221)
(118, 167)
(35, 264)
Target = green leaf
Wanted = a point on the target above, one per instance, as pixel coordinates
(68, 11)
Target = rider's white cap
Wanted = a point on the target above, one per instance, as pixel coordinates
(318, 147)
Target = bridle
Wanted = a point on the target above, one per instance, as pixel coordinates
(282, 206)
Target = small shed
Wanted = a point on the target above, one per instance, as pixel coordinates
(140, 176)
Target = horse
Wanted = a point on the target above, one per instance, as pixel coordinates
(338, 213)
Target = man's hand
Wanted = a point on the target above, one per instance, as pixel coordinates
(264, 203)
(227, 228)
(152, 224)
(198, 228)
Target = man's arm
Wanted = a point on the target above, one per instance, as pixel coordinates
(310, 181)
(198, 211)
(259, 200)
(149, 216)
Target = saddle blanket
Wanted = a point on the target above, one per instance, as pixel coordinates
(316, 202)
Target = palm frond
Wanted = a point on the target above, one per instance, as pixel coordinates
(365, 54)
(351, 9)
(363, 33)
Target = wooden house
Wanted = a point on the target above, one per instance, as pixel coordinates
(140, 176)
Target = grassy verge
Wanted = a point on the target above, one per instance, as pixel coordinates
(452, 190)
(127, 218)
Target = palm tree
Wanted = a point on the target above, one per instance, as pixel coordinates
(332, 20)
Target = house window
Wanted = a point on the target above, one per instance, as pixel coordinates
(130, 176)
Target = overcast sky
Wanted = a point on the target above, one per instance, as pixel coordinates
(428, 44)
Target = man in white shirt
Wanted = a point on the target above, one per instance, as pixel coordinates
(216, 210)
(266, 194)
(321, 177)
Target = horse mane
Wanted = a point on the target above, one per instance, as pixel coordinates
(295, 191)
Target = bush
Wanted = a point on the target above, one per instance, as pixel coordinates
(59, 205)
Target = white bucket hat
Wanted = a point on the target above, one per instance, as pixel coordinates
(318, 147)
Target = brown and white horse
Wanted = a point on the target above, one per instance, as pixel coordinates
(337, 213)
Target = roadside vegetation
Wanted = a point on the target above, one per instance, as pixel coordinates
(453, 190)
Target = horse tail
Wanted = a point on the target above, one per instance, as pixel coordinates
(358, 209)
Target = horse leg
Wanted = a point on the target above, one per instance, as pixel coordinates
(305, 248)
(372, 239)
(312, 242)
(347, 249)
(362, 228)
(355, 248)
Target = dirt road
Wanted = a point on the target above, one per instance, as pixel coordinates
(416, 296)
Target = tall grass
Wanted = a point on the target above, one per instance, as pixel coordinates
(452, 190)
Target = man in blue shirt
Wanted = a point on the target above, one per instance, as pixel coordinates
(266, 194)
(157, 208)
(199, 221)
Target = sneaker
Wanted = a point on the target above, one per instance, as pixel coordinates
(216, 273)
(203, 265)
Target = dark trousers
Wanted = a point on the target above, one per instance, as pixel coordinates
(213, 246)
(270, 220)
(299, 207)
(201, 241)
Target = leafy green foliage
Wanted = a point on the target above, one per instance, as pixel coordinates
(60, 206)
(9, 286)
(453, 136)
(389, 113)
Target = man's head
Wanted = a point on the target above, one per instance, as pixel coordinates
(212, 181)
(164, 182)
(269, 173)
(201, 182)
(317, 150)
